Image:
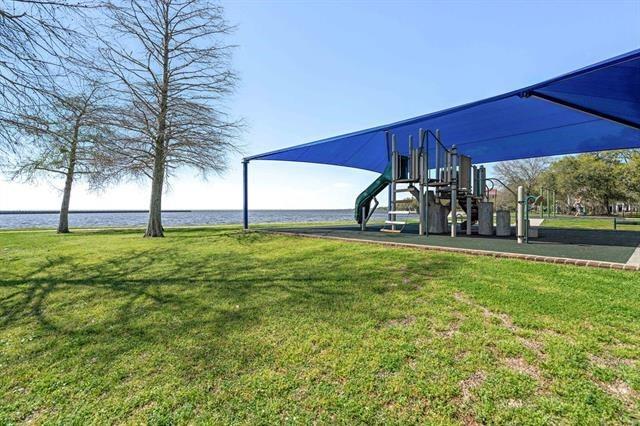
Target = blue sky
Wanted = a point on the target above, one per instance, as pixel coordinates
(314, 69)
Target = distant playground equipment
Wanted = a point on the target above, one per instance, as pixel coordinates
(548, 205)
(450, 182)
(624, 221)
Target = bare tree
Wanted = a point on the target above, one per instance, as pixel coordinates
(36, 36)
(65, 136)
(172, 66)
(525, 172)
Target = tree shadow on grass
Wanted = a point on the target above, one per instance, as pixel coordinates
(155, 295)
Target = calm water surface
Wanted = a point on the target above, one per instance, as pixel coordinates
(201, 217)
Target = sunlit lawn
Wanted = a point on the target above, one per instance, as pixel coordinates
(218, 326)
(586, 222)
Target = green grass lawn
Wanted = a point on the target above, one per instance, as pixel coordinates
(218, 326)
(586, 222)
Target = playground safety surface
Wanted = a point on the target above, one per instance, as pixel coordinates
(588, 247)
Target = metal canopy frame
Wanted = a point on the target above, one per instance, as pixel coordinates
(590, 111)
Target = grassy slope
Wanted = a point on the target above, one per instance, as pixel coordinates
(219, 326)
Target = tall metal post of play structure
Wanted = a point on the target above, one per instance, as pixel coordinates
(469, 208)
(475, 190)
(394, 177)
(453, 155)
(387, 138)
(438, 159)
(520, 220)
(424, 182)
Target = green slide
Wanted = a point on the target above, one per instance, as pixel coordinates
(364, 199)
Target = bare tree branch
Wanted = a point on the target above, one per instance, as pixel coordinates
(36, 38)
(67, 135)
(173, 74)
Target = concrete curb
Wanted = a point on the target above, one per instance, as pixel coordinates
(475, 252)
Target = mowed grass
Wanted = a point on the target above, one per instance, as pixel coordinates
(220, 326)
(587, 223)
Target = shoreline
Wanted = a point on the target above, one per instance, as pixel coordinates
(7, 212)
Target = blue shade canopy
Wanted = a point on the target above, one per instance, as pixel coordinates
(596, 108)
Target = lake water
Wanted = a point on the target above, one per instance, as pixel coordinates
(196, 217)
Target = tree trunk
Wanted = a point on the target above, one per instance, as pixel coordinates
(154, 226)
(63, 222)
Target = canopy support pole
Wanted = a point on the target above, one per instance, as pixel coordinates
(585, 110)
(245, 195)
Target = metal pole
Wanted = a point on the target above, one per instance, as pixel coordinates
(387, 136)
(447, 167)
(476, 180)
(438, 159)
(245, 195)
(520, 232)
(482, 184)
(424, 183)
(526, 217)
(547, 201)
(469, 214)
(454, 189)
(469, 184)
(394, 176)
(410, 170)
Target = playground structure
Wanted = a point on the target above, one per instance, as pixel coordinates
(453, 182)
(594, 108)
